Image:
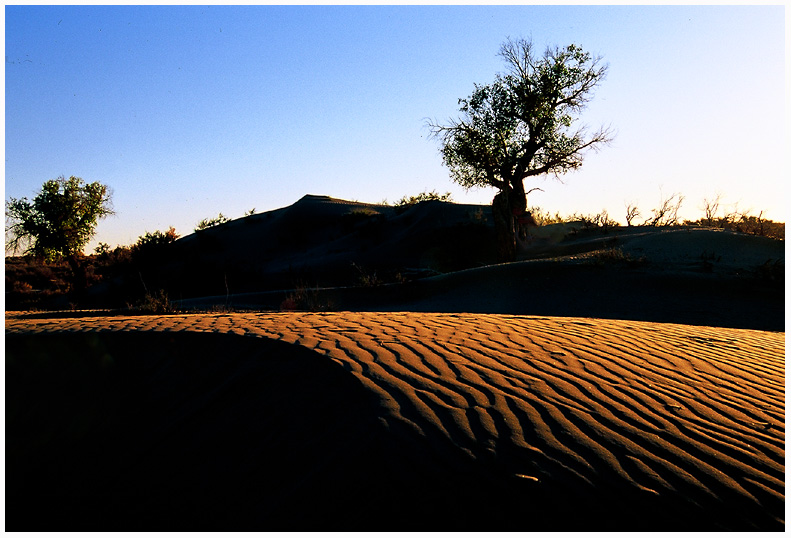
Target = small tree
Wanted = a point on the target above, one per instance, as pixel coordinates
(667, 212)
(632, 212)
(521, 126)
(58, 222)
(710, 209)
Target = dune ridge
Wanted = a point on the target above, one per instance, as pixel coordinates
(686, 425)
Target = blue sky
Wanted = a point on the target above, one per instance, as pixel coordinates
(189, 111)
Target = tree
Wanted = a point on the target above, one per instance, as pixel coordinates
(150, 245)
(59, 221)
(667, 212)
(632, 212)
(521, 126)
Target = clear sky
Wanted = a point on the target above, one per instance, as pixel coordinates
(189, 111)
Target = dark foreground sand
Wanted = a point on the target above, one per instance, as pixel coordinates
(391, 421)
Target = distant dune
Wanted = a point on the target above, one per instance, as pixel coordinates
(438, 257)
(391, 421)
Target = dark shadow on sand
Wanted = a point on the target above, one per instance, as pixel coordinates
(209, 432)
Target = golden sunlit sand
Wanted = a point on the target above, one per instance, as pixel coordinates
(396, 421)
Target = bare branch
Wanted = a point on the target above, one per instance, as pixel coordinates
(631, 213)
(667, 212)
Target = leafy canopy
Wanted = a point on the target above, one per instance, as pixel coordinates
(60, 220)
(522, 124)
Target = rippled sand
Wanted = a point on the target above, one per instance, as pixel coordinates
(407, 421)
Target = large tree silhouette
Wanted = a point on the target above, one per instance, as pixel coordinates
(522, 125)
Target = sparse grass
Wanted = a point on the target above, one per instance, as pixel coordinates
(744, 223)
(616, 256)
(154, 303)
(367, 279)
(544, 218)
(304, 298)
(599, 220)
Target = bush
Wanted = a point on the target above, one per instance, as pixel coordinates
(544, 217)
(743, 223)
(408, 201)
(599, 220)
(208, 223)
(616, 256)
(150, 248)
(154, 303)
(155, 239)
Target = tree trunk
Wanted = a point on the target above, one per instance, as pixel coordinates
(79, 277)
(506, 204)
(503, 228)
(518, 197)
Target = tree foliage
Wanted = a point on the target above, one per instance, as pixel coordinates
(150, 245)
(155, 239)
(523, 124)
(60, 220)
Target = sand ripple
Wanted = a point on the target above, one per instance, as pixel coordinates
(685, 423)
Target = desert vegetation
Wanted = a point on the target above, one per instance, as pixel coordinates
(432, 196)
(58, 223)
(214, 221)
(520, 126)
(137, 276)
(160, 267)
(666, 215)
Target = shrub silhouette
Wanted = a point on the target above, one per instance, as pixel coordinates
(408, 201)
(208, 223)
(151, 243)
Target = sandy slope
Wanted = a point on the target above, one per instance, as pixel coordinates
(688, 275)
(417, 422)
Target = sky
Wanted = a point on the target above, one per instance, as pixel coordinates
(190, 111)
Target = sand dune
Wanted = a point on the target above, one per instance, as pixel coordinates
(407, 421)
(440, 257)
